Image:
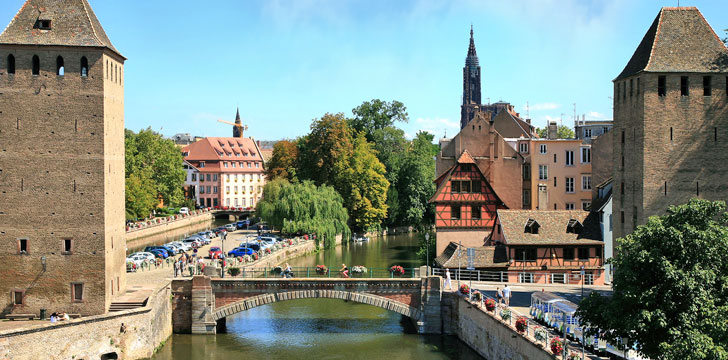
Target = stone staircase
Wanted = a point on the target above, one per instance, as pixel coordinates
(134, 297)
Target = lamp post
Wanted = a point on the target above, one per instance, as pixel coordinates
(43, 262)
(427, 253)
(222, 251)
(460, 253)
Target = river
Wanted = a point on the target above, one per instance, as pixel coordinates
(325, 328)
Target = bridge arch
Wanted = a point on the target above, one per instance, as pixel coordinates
(359, 297)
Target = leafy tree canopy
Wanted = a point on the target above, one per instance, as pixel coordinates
(563, 132)
(304, 208)
(377, 114)
(153, 164)
(415, 185)
(323, 154)
(670, 285)
(283, 162)
(366, 186)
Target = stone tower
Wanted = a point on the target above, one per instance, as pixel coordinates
(471, 84)
(670, 119)
(62, 236)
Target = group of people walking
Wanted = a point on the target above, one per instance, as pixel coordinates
(503, 296)
(192, 263)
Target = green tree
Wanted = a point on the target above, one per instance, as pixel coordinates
(157, 163)
(562, 132)
(377, 114)
(323, 154)
(365, 186)
(283, 162)
(423, 251)
(670, 285)
(304, 208)
(140, 199)
(415, 185)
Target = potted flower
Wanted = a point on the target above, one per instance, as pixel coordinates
(464, 289)
(321, 269)
(490, 304)
(290, 242)
(358, 270)
(573, 356)
(255, 256)
(267, 250)
(477, 296)
(396, 270)
(246, 258)
(557, 345)
(521, 324)
(505, 314)
(540, 334)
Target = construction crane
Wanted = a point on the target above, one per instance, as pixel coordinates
(240, 127)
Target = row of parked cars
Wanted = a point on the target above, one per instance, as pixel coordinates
(255, 244)
(172, 248)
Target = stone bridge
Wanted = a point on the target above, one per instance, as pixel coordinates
(201, 303)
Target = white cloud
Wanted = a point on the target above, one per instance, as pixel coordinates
(593, 115)
(543, 106)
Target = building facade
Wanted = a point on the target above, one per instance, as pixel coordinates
(670, 119)
(587, 130)
(62, 237)
(228, 172)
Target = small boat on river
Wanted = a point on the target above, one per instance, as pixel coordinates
(359, 238)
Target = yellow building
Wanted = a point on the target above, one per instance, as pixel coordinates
(559, 172)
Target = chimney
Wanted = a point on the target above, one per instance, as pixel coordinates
(258, 143)
(528, 121)
(553, 131)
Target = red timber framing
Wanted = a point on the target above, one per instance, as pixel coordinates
(464, 198)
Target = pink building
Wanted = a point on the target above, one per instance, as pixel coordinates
(228, 172)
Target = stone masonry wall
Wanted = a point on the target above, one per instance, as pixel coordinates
(90, 337)
(193, 224)
(487, 335)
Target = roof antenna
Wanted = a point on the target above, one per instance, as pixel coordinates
(528, 112)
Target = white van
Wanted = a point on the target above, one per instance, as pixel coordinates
(184, 210)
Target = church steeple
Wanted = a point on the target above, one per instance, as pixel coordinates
(471, 83)
(238, 127)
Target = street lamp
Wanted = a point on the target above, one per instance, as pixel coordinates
(222, 251)
(427, 256)
(43, 262)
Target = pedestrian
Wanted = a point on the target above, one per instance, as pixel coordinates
(499, 295)
(448, 281)
(176, 268)
(344, 271)
(507, 295)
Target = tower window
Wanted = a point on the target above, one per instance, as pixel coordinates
(36, 65)
(661, 86)
(18, 297)
(84, 67)
(60, 71)
(66, 246)
(23, 246)
(684, 86)
(11, 64)
(630, 87)
(670, 133)
(697, 188)
(43, 24)
(622, 136)
(707, 91)
(715, 134)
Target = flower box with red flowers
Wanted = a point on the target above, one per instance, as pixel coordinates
(521, 324)
(490, 304)
(557, 346)
(396, 270)
(464, 289)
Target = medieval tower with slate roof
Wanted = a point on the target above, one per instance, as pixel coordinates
(670, 119)
(62, 238)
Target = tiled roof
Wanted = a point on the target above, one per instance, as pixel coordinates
(224, 149)
(679, 40)
(485, 257)
(73, 23)
(465, 158)
(552, 229)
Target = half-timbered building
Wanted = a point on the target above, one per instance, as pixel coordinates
(551, 246)
(465, 204)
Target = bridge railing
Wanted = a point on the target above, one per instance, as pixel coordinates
(316, 272)
(533, 277)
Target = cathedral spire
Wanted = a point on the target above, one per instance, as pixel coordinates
(471, 83)
(237, 116)
(238, 127)
(471, 48)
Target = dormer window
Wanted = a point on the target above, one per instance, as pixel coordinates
(574, 226)
(202, 164)
(43, 24)
(186, 153)
(531, 226)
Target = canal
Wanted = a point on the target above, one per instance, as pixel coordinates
(325, 328)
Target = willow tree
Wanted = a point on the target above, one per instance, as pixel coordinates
(304, 208)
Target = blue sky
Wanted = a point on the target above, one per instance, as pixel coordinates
(285, 62)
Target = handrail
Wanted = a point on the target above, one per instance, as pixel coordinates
(535, 277)
(302, 272)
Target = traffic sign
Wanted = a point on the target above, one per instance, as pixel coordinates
(471, 259)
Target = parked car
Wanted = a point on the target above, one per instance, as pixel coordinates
(254, 246)
(230, 227)
(185, 247)
(242, 224)
(203, 240)
(147, 255)
(184, 210)
(159, 253)
(163, 249)
(137, 259)
(241, 251)
(211, 234)
(194, 243)
(175, 248)
(214, 252)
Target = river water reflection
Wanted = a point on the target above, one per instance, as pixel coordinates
(325, 328)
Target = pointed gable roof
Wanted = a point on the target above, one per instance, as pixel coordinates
(465, 158)
(73, 23)
(679, 40)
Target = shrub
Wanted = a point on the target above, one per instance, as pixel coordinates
(233, 271)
